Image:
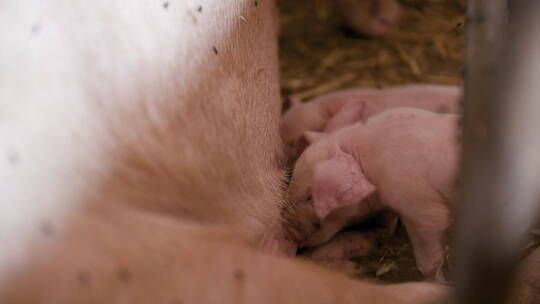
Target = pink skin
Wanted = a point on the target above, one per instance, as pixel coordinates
(370, 17)
(407, 157)
(338, 109)
(343, 266)
(344, 246)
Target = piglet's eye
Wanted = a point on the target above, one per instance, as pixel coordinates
(309, 198)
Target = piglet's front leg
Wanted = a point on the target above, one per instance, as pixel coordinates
(344, 246)
(337, 252)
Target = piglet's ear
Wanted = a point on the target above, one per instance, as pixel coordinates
(307, 138)
(338, 182)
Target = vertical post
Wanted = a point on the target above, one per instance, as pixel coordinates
(501, 149)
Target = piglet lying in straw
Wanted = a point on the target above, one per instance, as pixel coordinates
(370, 17)
(338, 109)
(403, 159)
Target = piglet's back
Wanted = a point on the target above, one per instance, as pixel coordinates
(407, 145)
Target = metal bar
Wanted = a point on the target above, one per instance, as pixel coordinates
(501, 149)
